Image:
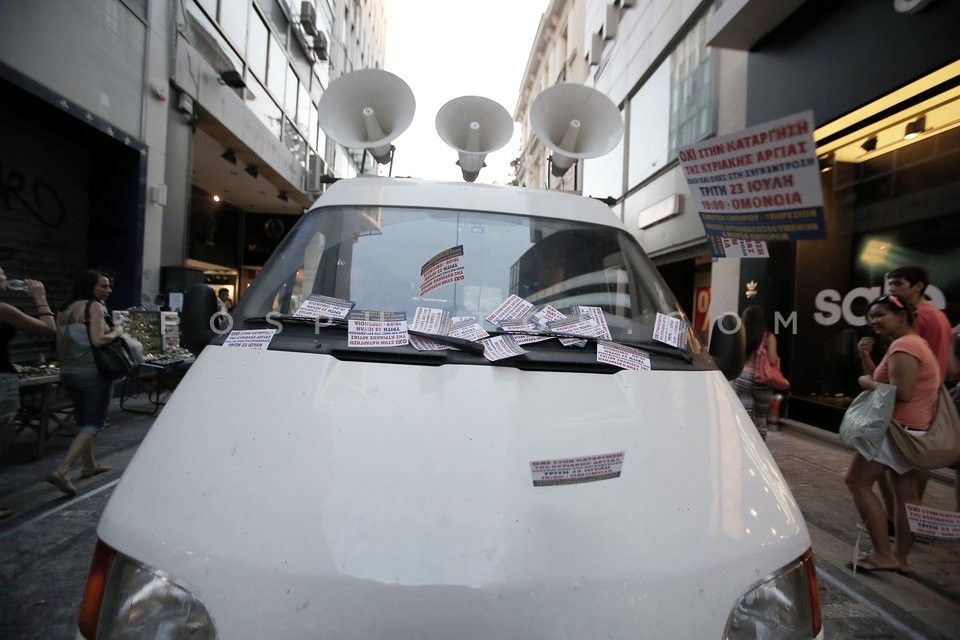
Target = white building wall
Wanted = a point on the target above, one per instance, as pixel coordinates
(91, 52)
(155, 105)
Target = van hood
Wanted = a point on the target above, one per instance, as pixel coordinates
(297, 494)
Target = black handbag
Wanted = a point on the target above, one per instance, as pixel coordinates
(114, 359)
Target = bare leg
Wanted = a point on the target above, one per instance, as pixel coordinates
(860, 478)
(905, 488)
(80, 447)
(922, 476)
(86, 454)
(885, 485)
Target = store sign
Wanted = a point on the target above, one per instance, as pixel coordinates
(762, 183)
(664, 210)
(701, 312)
(832, 306)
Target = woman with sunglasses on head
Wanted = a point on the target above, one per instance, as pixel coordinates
(913, 369)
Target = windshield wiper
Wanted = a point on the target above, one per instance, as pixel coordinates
(288, 319)
(460, 343)
(660, 349)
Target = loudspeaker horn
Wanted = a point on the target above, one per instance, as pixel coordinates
(575, 121)
(367, 108)
(474, 126)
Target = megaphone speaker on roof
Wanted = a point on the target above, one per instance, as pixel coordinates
(367, 109)
(474, 126)
(575, 121)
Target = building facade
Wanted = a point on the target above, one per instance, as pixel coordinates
(557, 56)
(171, 142)
(652, 61)
(883, 81)
(881, 78)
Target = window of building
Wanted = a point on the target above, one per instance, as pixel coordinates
(294, 142)
(692, 99)
(676, 106)
(257, 44)
(650, 127)
(291, 96)
(303, 111)
(276, 69)
(233, 18)
(276, 17)
(264, 107)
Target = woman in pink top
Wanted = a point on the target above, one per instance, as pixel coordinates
(910, 365)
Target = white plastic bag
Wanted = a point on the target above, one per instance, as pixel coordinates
(866, 420)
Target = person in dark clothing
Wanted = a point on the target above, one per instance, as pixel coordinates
(13, 319)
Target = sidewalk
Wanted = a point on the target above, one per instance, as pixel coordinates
(814, 463)
(22, 485)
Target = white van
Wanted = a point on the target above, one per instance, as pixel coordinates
(605, 486)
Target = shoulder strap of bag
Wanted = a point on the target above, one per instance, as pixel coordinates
(86, 319)
(761, 351)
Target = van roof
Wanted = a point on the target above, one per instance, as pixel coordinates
(409, 192)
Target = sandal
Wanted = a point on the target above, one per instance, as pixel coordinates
(62, 483)
(100, 468)
(866, 566)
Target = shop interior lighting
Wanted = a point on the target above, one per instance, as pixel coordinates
(869, 144)
(283, 195)
(216, 198)
(826, 162)
(253, 170)
(915, 128)
(229, 156)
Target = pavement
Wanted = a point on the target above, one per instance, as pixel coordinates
(925, 603)
(927, 600)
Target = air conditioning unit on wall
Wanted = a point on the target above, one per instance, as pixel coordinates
(308, 18)
(316, 168)
(320, 45)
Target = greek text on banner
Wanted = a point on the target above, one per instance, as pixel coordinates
(761, 183)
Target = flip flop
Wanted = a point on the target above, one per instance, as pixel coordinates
(867, 567)
(4, 512)
(100, 468)
(62, 483)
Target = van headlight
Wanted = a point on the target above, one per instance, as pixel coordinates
(128, 599)
(784, 606)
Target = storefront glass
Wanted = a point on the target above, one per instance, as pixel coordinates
(891, 200)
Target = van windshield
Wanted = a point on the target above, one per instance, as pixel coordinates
(375, 257)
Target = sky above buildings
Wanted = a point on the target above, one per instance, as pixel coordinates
(444, 49)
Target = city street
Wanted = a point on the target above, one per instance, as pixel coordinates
(45, 546)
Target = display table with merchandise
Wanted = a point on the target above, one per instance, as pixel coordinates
(165, 362)
(44, 407)
(147, 389)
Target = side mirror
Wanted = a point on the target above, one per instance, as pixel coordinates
(728, 344)
(199, 305)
